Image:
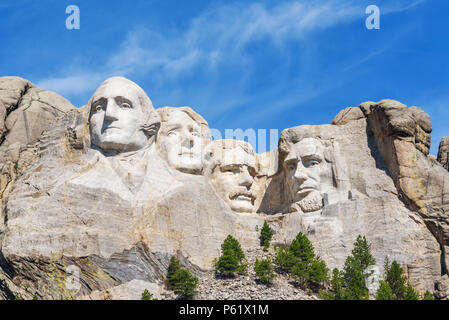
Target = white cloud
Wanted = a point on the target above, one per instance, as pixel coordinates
(219, 35)
(71, 85)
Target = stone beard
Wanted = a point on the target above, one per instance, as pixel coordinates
(181, 139)
(231, 171)
(122, 118)
(304, 168)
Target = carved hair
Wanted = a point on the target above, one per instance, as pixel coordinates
(217, 149)
(291, 136)
(165, 113)
(152, 123)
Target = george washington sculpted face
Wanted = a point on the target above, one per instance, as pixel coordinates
(122, 117)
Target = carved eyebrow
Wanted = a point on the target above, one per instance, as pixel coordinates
(290, 160)
(123, 99)
(229, 166)
(172, 127)
(313, 156)
(98, 101)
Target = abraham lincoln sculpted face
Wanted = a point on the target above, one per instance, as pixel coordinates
(122, 117)
(304, 166)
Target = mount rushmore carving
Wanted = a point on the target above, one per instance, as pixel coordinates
(115, 188)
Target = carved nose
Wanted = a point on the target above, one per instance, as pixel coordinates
(188, 141)
(111, 111)
(246, 179)
(300, 175)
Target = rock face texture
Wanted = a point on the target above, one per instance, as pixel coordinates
(443, 152)
(95, 200)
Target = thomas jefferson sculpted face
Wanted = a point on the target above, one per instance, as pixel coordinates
(304, 166)
(181, 139)
(122, 117)
(231, 171)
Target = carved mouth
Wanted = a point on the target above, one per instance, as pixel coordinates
(244, 197)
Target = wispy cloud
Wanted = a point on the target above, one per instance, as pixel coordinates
(219, 36)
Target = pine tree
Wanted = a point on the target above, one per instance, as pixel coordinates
(337, 284)
(146, 295)
(318, 272)
(265, 235)
(302, 248)
(231, 259)
(264, 270)
(184, 284)
(410, 294)
(233, 244)
(384, 292)
(428, 296)
(356, 270)
(301, 273)
(395, 279)
(174, 266)
(285, 259)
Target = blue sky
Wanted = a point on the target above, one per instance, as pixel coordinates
(240, 64)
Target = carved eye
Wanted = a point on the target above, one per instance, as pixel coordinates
(291, 166)
(171, 133)
(313, 163)
(231, 170)
(125, 105)
(98, 107)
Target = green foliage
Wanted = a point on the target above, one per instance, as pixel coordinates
(285, 259)
(231, 259)
(356, 270)
(356, 288)
(428, 296)
(184, 284)
(300, 273)
(35, 297)
(266, 233)
(146, 295)
(311, 273)
(302, 248)
(326, 295)
(410, 294)
(264, 270)
(337, 282)
(318, 272)
(299, 259)
(178, 279)
(395, 279)
(174, 266)
(384, 292)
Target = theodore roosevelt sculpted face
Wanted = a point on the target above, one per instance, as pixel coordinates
(231, 171)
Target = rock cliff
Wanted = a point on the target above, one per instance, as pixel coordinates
(107, 193)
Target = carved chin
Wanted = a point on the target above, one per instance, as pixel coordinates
(242, 205)
(312, 202)
(192, 166)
